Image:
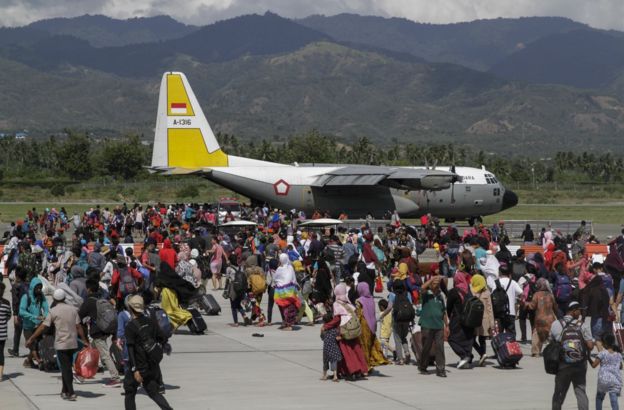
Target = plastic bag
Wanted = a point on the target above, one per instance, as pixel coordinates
(378, 284)
(87, 362)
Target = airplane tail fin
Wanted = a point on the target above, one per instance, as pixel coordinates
(183, 136)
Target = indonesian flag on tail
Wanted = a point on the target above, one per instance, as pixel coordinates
(178, 108)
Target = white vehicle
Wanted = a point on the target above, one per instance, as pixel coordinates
(226, 205)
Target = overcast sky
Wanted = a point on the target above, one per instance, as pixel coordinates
(597, 13)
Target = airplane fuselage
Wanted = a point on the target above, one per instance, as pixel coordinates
(292, 187)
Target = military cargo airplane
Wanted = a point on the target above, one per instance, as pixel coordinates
(184, 144)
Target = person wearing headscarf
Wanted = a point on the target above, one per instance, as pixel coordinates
(168, 254)
(479, 289)
(257, 284)
(353, 363)
(286, 293)
(401, 272)
(461, 338)
(184, 269)
(322, 286)
(544, 305)
(365, 311)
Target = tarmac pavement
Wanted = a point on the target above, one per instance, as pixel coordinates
(228, 368)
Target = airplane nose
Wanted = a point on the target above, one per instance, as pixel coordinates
(510, 199)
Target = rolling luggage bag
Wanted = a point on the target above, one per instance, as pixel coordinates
(209, 305)
(196, 324)
(47, 353)
(417, 347)
(507, 350)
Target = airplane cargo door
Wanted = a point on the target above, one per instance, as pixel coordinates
(307, 200)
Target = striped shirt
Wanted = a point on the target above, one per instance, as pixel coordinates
(5, 317)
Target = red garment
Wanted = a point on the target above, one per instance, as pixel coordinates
(156, 236)
(548, 256)
(116, 277)
(168, 254)
(368, 254)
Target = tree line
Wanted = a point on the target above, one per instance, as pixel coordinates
(78, 157)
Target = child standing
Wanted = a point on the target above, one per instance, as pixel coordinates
(610, 373)
(331, 350)
(386, 330)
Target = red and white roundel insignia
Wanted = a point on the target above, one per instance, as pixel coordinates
(281, 187)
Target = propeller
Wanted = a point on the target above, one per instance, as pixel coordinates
(454, 180)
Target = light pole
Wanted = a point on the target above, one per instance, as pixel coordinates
(533, 175)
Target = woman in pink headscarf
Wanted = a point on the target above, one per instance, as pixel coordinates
(365, 310)
(461, 338)
(353, 362)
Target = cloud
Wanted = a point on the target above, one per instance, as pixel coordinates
(597, 13)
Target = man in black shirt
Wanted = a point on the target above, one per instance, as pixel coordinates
(144, 340)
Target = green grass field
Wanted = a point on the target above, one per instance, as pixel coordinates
(597, 213)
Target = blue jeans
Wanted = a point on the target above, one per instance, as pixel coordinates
(613, 397)
(597, 327)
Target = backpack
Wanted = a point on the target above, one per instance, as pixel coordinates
(159, 317)
(552, 355)
(472, 313)
(563, 289)
(96, 260)
(146, 342)
(403, 310)
(258, 284)
(352, 329)
(500, 301)
(573, 349)
(240, 282)
(127, 284)
(106, 319)
(530, 288)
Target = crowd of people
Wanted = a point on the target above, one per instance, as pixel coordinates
(470, 289)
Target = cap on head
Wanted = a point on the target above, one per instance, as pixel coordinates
(574, 305)
(135, 303)
(59, 295)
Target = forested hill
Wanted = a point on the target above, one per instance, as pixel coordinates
(263, 76)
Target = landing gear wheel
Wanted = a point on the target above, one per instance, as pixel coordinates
(474, 220)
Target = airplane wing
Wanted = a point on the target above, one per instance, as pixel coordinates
(178, 171)
(394, 177)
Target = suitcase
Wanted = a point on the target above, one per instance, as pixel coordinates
(417, 347)
(209, 305)
(47, 353)
(115, 353)
(507, 350)
(196, 324)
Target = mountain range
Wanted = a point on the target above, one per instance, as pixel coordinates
(530, 85)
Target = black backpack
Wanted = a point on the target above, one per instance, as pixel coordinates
(472, 312)
(500, 301)
(146, 340)
(240, 282)
(403, 310)
(532, 284)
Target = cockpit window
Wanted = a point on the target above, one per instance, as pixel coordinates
(490, 179)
